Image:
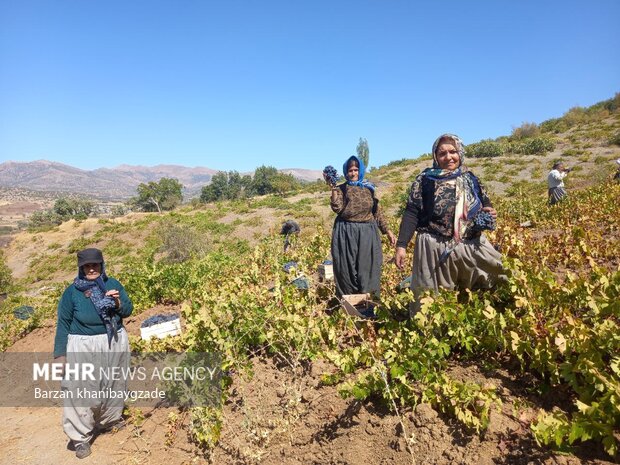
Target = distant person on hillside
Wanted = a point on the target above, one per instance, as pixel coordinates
(90, 330)
(449, 209)
(356, 243)
(617, 175)
(289, 229)
(555, 181)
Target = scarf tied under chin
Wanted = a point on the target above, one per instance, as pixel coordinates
(362, 171)
(104, 304)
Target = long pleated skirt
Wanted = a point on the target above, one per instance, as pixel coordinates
(357, 257)
(556, 194)
(473, 264)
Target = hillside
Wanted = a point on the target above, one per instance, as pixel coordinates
(469, 382)
(117, 183)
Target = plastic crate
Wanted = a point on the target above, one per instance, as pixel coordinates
(161, 330)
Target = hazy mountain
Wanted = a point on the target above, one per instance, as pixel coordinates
(109, 183)
(306, 175)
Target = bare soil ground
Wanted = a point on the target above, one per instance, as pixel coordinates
(17, 205)
(285, 416)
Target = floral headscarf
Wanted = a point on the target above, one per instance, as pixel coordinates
(468, 201)
(454, 140)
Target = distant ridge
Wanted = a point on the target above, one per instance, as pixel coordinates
(117, 183)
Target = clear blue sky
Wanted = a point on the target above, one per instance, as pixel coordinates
(235, 84)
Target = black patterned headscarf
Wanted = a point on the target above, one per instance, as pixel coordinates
(96, 291)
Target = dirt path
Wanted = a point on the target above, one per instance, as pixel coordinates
(34, 435)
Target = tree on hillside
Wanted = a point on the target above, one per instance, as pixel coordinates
(67, 208)
(216, 189)
(231, 185)
(282, 183)
(238, 186)
(226, 186)
(158, 196)
(268, 180)
(64, 209)
(363, 152)
(263, 177)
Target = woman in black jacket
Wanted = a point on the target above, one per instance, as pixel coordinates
(448, 208)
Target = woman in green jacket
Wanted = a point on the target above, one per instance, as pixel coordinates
(90, 330)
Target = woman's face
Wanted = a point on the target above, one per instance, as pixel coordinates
(92, 271)
(353, 173)
(447, 157)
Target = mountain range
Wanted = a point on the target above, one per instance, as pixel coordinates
(117, 183)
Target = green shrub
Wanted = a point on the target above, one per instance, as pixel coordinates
(315, 186)
(180, 242)
(6, 279)
(44, 219)
(582, 116)
(525, 130)
(42, 266)
(554, 125)
(64, 209)
(485, 148)
(67, 208)
(575, 116)
(523, 188)
(401, 162)
(533, 146)
(615, 139)
(573, 152)
(117, 248)
(79, 244)
(118, 210)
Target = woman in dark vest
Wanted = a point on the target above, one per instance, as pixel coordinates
(356, 243)
(448, 208)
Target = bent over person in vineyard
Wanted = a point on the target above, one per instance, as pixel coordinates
(449, 209)
(90, 330)
(356, 244)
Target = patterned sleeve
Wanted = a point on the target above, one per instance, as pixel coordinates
(409, 221)
(380, 219)
(337, 200)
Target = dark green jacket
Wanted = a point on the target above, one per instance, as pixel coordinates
(77, 315)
